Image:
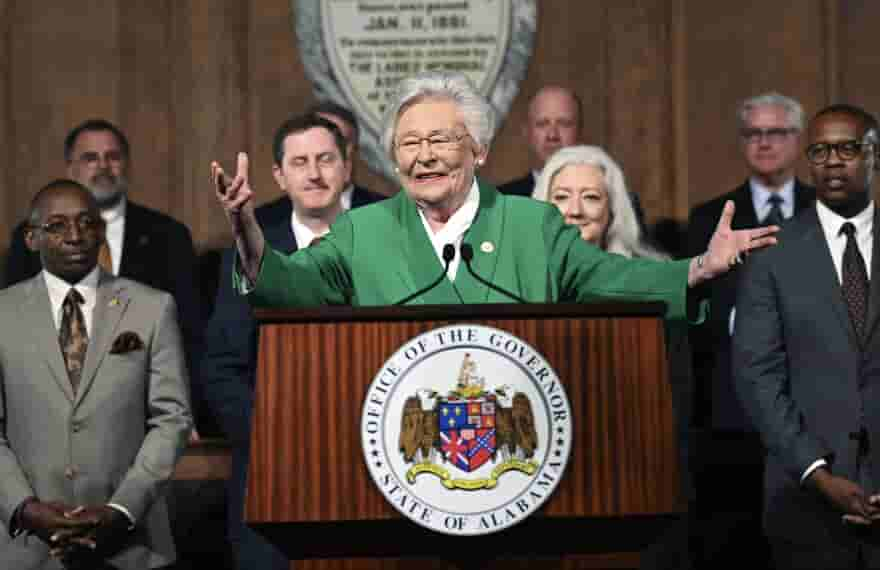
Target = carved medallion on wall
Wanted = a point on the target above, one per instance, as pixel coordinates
(356, 51)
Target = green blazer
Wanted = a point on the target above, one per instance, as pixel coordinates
(380, 254)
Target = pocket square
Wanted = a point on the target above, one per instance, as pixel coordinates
(126, 342)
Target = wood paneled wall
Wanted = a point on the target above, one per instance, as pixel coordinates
(198, 80)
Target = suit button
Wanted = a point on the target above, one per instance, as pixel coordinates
(70, 472)
(76, 426)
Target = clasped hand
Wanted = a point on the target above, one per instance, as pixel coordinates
(848, 497)
(76, 533)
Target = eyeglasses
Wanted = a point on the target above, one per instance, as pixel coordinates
(64, 226)
(774, 136)
(819, 153)
(92, 158)
(437, 142)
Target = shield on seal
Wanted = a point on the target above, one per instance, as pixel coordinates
(467, 431)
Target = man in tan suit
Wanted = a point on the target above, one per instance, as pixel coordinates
(94, 404)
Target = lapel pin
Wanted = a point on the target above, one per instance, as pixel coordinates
(487, 247)
(114, 302)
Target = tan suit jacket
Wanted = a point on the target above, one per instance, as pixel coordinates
(116, 440)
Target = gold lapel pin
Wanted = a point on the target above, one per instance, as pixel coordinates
(487, 247)
(114, 302)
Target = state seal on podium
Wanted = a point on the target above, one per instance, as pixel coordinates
(466, 430)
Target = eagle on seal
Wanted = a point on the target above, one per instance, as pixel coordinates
(419, 429)
(515, 424)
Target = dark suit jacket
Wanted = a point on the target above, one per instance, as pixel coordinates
(711, 342)
(279, 210)
(157, 250)
(805, 379)
(519, 187)
(229, 358)
(228, 370)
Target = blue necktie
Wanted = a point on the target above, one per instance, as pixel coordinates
(775, 217)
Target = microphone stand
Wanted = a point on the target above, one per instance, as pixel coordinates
(467, 254)
(448, 256)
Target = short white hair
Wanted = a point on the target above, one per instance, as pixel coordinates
(792, 108)
(623, 235)
(477, 113)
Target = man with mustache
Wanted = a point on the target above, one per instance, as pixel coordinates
(312, 166)
(806, 357)
(142, 244)
(279, 211)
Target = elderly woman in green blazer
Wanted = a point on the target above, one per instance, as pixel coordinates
(437, 132)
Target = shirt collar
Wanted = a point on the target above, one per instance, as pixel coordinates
(117, 212)
(345, 197)
(87, 287)
(460, 221)
(832, 221)
(302, 233)
(761, 193)
(453, 231)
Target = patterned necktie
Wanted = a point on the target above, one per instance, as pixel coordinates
(73, 337)
(775, 217)
(855, 280)
(105, 258)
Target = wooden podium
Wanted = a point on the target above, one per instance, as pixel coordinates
(310, 493)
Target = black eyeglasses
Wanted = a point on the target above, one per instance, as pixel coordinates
(775, 135)
(819, 153)
(63, 226)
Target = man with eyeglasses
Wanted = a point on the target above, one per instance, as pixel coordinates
(729, 449)
(94, 402)
(312, 166)
(142, 244)
(806, 354)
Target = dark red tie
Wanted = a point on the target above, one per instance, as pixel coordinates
(73, 337)
(854, 280)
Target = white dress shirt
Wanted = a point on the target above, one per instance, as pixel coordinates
(304, 234)
(115, 220)
(58, 289)
(453, 232)
(761, 198)
(88, 288)
(831, 224)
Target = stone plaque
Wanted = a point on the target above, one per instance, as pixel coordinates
(356, 51)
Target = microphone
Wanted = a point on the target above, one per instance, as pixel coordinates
(448, 256)
(467, 254)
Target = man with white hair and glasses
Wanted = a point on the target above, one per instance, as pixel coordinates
(770, 133)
